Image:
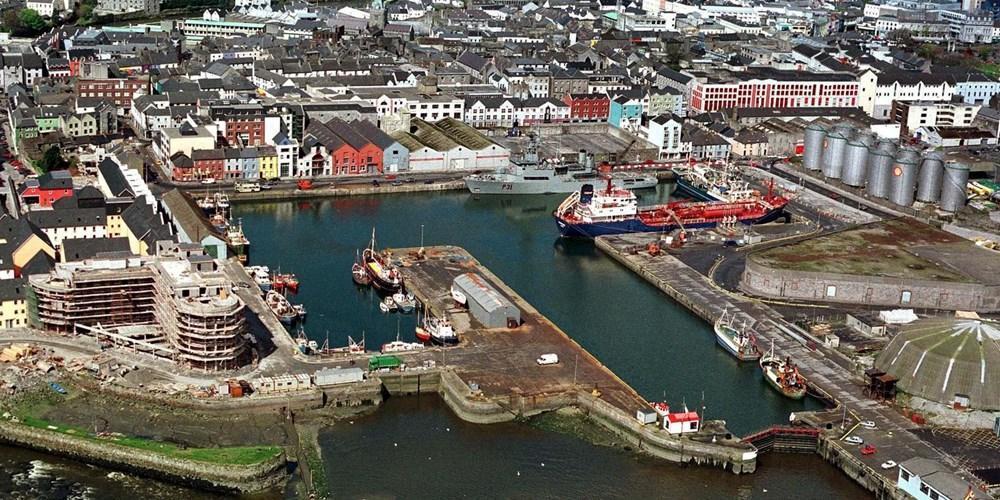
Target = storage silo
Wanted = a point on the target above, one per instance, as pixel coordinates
(953, 185)
(880, 170)
(812, 153)
(836, 146)
(903, 182)
(931, 174)
(855, 164)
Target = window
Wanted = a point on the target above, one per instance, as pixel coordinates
(905, 476)
(924, 488)
(905, 297)
(831, 291)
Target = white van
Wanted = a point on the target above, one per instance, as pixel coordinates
(548, 359)
(247, 186)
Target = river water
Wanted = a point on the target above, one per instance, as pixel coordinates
(416, 447)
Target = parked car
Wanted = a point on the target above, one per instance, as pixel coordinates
(854, 440)
(868, 449)
(208, 180)
(888, 464)
(868, 424)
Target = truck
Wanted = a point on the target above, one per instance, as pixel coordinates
(376, 363)
(247, 186)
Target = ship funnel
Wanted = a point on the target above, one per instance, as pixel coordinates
(586, 193)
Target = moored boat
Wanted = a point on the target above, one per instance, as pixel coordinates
(261, 275)
(387, 305)
(404, 301)
(440, 330)
(783, 375)
(280, 306)
(383, 274)
(400, 346)
(358, 273)
(738, 341)
(286, 281)
(588, 213)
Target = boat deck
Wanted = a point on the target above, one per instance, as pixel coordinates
(503, 361)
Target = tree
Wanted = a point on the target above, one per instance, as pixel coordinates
(52, 160)
(11, 22)
(31, 20)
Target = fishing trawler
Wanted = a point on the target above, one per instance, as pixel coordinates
(529, 175)
(738, 341)
(783, 375)
(588, 213)
(702, 182)
(238, 241)
(281, 308)
(383, 274)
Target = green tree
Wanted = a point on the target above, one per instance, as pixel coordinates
(11, 23)
(31, 20)
(985, 53)
(52, 160)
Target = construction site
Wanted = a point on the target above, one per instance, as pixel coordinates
(177, 306)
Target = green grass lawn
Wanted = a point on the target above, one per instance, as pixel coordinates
(990, 69)
(237, 455)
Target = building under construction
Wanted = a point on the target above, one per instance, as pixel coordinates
(176, 305)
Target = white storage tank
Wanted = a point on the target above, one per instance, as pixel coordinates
(903, 182)
(855, 164)
(836, 146)
(812, 152)
(880, 170)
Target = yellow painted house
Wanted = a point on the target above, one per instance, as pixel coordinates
(13, 303)
(268, 160)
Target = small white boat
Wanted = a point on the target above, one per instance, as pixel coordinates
(387, 305)
(300, 310)
(400, 346)
(458, 295)
(313, 345)
(404, 301)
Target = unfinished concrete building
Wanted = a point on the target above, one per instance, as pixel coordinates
(176, 305)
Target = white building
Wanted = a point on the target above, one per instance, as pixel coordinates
(113, 7)
(877, 91)
(665, 132)
(924, 479)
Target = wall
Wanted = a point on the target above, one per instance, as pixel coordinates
(869, 290)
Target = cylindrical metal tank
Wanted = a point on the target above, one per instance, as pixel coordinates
(880, 170)
(903, 181)
(931, 174)
(812, 153)
(855, 164)
(836, 146)
(956, 177)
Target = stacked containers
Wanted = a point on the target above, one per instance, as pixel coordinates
(813, 146)
(880, 169)
(904, 177)
(931, 174)
(956, 177)
(856, 161)
(836, 146)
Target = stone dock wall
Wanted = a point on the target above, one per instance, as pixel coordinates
(330, 191)
(215, 477)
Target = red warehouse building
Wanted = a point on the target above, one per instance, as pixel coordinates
(208, 163)
(588, 107)
(777, 89)
(242, 126)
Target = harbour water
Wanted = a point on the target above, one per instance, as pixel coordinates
(414, 447)
(659, 348)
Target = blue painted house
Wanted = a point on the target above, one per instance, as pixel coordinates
(625, 112)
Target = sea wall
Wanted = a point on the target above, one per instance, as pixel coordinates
(761, 280)
(354, 190)
(469, 406)
(857, 470)
(648, 439)
(225, 478)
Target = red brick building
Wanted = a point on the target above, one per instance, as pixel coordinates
(768, 88)
(588, 107)
(119, 90)
(241, 125)
(208, 163)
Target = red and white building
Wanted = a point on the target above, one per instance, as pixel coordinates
(588, 107)
(777, 89)
(682, 423)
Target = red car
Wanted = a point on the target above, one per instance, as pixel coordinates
(868, 450)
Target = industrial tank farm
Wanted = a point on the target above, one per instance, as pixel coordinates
(884, 169)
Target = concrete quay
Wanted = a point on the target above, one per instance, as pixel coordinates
(831, 376)
(492, 375)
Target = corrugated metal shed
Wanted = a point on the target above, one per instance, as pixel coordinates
(485, 303)
(334, 376)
